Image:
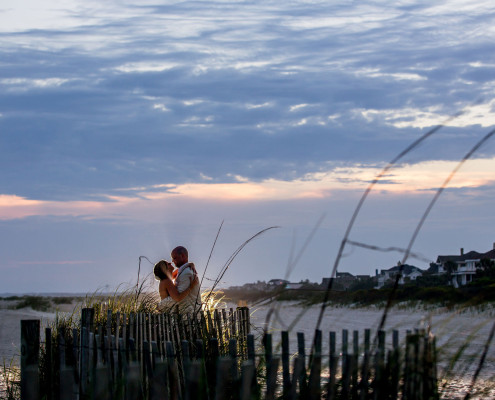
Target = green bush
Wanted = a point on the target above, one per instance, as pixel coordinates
(432, 280)
(10, 298)
(37, 303)
(62, 300)
(369, 297)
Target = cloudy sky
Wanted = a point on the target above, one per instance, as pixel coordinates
(127, 128)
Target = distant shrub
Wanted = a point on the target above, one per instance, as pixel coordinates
(372, 296)
(62, 300)
(432, 280)
(480, 292)
(440, 294)
(10, 298)
(37, 303)
(363, 284)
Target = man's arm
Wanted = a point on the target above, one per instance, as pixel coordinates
(174, 293)
(184, 280)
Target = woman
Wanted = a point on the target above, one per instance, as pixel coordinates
(169, 295)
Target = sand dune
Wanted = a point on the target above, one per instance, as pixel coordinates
(10, 330)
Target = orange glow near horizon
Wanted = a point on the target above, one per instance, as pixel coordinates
(408, 179)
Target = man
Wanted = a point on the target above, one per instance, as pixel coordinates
(186, 276)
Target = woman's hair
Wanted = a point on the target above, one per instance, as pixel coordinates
(158, 271)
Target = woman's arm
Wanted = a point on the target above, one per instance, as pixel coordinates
(173, 292)
(162, 289)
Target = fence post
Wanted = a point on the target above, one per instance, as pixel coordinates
(211, 365)
(315, 365)
(224, 380)
(247, 378)
(48, 381)
(285, 363)
(267, 342)
(301, 350)
(87, 326)
(173, 372)
(333, 360)
(354, 364)
(186, 361)
(346, 365)
(247, 321)
(233, 329)
(159, 384)
(365, 368)
(212, 325)
(195, 387)
(67, 382)
(122, 366)
(30, 350)
(218, 324)
(148, 374)
(431, 385)
(379, 384)
(225, 325)
(394, 366)
(271, 378)
(133, 389)
(250, 347)
(233, 355)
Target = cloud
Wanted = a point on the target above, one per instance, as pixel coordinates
(479, 114)
(143, 66)
(376, 73)
(412, 179)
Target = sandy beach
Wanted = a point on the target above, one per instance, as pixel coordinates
(10, 325)
(10, 330)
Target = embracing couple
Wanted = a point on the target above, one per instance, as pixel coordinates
(179, 287)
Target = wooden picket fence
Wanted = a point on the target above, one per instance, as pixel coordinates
(215, 357)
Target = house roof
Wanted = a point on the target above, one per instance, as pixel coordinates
(472, 255)
(344, 274)
(406, 269)
(277, 281)
(489, 254)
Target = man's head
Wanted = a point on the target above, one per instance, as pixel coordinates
(179, 256)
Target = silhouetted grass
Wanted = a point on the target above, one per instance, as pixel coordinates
(10, 376)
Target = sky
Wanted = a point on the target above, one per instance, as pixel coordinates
(128, 128)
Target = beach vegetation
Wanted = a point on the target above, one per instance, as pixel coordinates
(38, 303)
(10, 377)
(62, 300)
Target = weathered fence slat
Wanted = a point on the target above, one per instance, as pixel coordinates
(315, 368)
(286, 384)
(247, 378)
(30, 349)
(301, 351)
